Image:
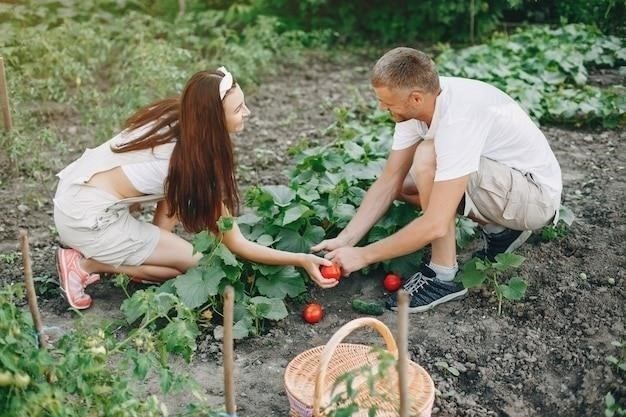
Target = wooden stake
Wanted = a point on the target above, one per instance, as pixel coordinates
(403, 351)
(31, 296)
(227, 351)
(4, 98)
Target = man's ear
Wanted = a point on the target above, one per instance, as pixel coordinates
(416, 96)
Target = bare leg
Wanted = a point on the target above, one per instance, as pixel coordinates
(423, 174)
(172, 256)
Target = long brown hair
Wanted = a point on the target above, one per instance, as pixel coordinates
(201, 175)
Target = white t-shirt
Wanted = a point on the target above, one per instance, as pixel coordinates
(147, 177)
(474, 119)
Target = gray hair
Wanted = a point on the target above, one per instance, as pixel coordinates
(406, 68)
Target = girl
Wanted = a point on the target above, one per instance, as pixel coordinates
(176, 152)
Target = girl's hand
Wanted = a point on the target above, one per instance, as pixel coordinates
(311, 264)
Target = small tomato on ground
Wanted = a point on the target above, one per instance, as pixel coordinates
(312, 313)
(331, 272)
(392, 282)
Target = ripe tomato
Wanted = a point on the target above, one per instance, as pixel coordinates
(312, 313)
(331, 272)
(392, 282)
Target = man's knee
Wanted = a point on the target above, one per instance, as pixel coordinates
(424, 159)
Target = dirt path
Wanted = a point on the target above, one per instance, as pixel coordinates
(544, 356)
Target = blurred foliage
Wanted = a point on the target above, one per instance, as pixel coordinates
(547, 71)
(71, 63)
(407, 21)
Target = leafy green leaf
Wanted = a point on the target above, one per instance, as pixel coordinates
(272, 308)
(295, 212)
(505, 261)
(281, 194)
(471, 277)
(287, 282)
(225, 224)
(515, 289)
(192, 288)
(241, 329)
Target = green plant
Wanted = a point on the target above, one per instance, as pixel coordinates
(128, 56)
(477, 272)
(547, 71)
(9, 258)
(561, 228)
(613, 408)
(89, 370)
(344, 394)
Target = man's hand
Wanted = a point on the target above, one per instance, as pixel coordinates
(311, 264)
(329, 245)
(350, 259)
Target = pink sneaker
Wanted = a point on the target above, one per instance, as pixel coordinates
(72, 277)
(90, 279)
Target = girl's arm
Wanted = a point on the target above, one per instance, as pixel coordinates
(161, 219)
(242, 247)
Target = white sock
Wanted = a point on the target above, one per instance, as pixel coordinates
(492, 228)
(444, 273)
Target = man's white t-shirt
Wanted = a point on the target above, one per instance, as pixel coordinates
(473, 119)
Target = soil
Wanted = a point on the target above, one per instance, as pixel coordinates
(543, 356)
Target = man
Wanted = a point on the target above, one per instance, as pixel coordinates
(459, 146)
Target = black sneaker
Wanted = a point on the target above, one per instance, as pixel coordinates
(426, 291)
(505, 241)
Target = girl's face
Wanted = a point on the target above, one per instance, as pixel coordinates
(235, 110)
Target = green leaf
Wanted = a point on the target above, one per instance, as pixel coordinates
(203, 241)
(142, 365)
(212, 276)
(165, 379)
(471, 277)
(225, 224)
(343, 213)
(281, 194)
(135, 306)
(353, 150)
(249, 219)
(265, 240)
(292, 241)
(226, 255)
(192, 288)
(505, 261)
(287, 282)
(515, 289)
(179, 336)
(241, 329)
(308, 194)
(272, 308)
(294, 213)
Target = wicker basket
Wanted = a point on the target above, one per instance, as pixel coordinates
(310, 376)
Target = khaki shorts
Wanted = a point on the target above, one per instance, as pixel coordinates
(502, 195)
(94, 222)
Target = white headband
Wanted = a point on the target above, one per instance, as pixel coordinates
(226, 83)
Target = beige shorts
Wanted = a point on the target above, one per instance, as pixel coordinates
(102, 228)
(502, 195)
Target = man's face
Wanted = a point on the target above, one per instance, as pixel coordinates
(399, 103)
(235, 110)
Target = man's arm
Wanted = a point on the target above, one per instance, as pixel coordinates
(377, 199)
(433, 224)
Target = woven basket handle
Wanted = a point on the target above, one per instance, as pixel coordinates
(334, 341)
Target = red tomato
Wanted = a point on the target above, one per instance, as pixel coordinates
(331, 272)
(392, 282)
(313, 313)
